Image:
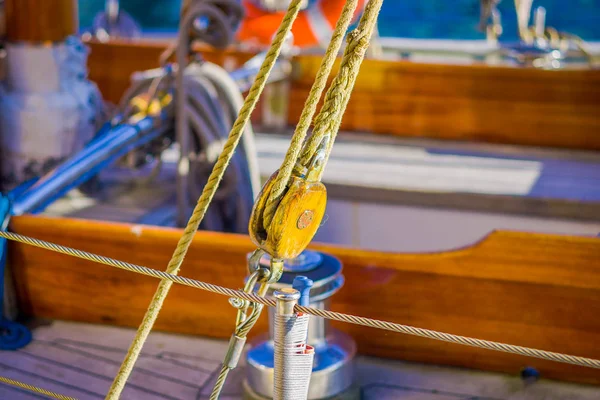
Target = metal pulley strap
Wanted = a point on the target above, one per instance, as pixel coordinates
(244, 323)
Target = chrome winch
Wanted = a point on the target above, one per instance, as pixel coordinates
(333, 370)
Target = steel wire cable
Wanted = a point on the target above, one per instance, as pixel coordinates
(352, 319)
(34, 389)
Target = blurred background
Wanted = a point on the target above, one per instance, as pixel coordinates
(417, 19)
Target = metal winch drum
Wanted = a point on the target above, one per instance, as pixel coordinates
(333, 369)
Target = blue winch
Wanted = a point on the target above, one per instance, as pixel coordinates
(333, 372)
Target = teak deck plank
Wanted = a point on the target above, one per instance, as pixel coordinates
(452, 102)
(535, 290)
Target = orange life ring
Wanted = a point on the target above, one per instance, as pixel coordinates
(313, 26)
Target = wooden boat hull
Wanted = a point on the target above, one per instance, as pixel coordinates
(519, 106)
(535, 290)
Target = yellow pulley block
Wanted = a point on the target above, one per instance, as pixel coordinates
(296, 219)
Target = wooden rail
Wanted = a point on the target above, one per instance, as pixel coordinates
(535, 290)
(451, 102)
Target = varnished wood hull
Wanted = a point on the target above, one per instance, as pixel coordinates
(520, 106)
(541, 291)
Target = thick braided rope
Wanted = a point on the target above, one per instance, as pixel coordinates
(308, 112)
(34, 389)
(352, 319)
(338, 95)
(204, 200)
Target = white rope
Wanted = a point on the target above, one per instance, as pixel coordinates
(293, 359)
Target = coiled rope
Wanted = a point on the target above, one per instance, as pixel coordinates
(351, 319)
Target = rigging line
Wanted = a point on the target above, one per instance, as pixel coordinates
(207, 194)
(339, 92)
(352, 319)
(34, 389)
(309, 109)
(330, 116)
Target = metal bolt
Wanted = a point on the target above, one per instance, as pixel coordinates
(305, 219)
(287, 298)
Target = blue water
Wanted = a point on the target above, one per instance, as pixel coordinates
(419, 19)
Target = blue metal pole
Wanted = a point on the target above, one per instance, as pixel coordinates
(13, 335)
(99, 153)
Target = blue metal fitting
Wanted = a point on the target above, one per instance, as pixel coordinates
(303, 285)
(13, 335)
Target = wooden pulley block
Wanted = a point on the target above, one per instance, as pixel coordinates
(296, 219)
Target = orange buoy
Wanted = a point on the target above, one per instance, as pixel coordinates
(313, 26)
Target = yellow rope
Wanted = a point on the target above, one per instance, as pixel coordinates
(310, 106)
(34, 389)
(204, 201)
(329, 118)
(338, 95)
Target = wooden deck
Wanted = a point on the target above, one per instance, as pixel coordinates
(80, 360)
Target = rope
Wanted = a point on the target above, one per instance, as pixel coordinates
(204, 201)
(241, 332)
(347, 318)
(329, 118)
(338, 95)
(308, 112)
(34, 389)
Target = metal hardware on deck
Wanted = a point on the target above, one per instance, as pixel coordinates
(286, 300)
(539, 46)
(332, 373)
(234, 351)
(276, 97)
(293, 358)
(244, 321)
(302, 284)
(306, 261)
(13, 335)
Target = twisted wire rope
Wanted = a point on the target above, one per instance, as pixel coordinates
(352, 319)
